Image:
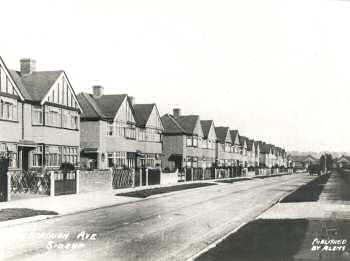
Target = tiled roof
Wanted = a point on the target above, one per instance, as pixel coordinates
(206, 127)
(242, 139)
(188, 122)
(250, 144)
(35, 86)
(221, 133)
(142, 113)
(233, 134)
(171, 126)
(105, 106)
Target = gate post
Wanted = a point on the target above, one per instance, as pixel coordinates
(140, 173)
(133, 177)
(191, 174)
(77, 180)
(203, 173)
(52, 183)
(146, 176)
(8, 186)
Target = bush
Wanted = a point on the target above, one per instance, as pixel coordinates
(67, 167)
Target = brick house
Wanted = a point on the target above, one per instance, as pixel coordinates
(257, 153)
(236, 147)
(181, 141)
(40, 113)
(244, 151)
(251, 152)
(224, 148)
(208, 143)
(115, 132)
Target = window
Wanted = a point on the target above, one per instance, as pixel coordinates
(117, 159)
(37, 115)
(130, 133)
(53, 116)
(188, 141)
(37, 157)
(10, 150)
(8, 109)
(195, 141)
(119, 129)
(53, 156)
(191, 141)
(70, 154)
(110, 127)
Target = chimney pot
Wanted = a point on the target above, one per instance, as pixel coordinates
(97, 91)
(177, 112)
(131, 100)
(27, 66)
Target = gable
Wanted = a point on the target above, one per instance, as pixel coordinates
(62, 93)
(198, 129)
(228, 136)
(125, 113)
(212, 134)
(154, 120)
(7, 84)
(237, 140)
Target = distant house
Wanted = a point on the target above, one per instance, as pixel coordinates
(181, 141)
(302, 161)
(343, 161)
(251, 152)
(208, 143)
(40, 113)
(225, 147)
(115, 132)
(244, 150)
(236, 147)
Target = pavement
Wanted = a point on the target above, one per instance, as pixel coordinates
(75, 203)
(333, 203)
(172, 226)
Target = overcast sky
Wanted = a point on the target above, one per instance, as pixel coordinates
(276, 70)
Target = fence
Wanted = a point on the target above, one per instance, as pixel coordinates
(29, 182)
(123, 178)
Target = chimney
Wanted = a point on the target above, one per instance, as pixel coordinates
(27, 66)
(131, 100)
(177, 112)
(97, 91)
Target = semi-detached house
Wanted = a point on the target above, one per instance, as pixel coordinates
(182, 139)
(39, 117)
(116, 132)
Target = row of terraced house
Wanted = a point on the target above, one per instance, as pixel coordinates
(44, 123)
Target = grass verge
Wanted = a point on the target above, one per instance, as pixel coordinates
(154, 191)
(16, 213)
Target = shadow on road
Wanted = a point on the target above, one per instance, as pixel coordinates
(285, 240)
(309, 192)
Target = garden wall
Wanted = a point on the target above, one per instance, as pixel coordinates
(95, 180)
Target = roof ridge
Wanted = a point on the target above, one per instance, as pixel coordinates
(87, 98)
(173, 119)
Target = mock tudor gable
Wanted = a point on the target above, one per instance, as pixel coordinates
(7, 84)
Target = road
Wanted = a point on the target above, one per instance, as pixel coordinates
(172, 226)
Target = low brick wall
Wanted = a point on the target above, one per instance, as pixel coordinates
(95, 180)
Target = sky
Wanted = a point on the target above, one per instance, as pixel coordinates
(276, 70)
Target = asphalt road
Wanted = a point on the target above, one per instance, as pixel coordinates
(172, 226)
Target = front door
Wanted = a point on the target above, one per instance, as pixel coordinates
(23, 156)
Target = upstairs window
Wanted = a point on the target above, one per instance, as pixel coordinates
(37, 115)
(191, 141)
(8, 109)
(110, 128)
